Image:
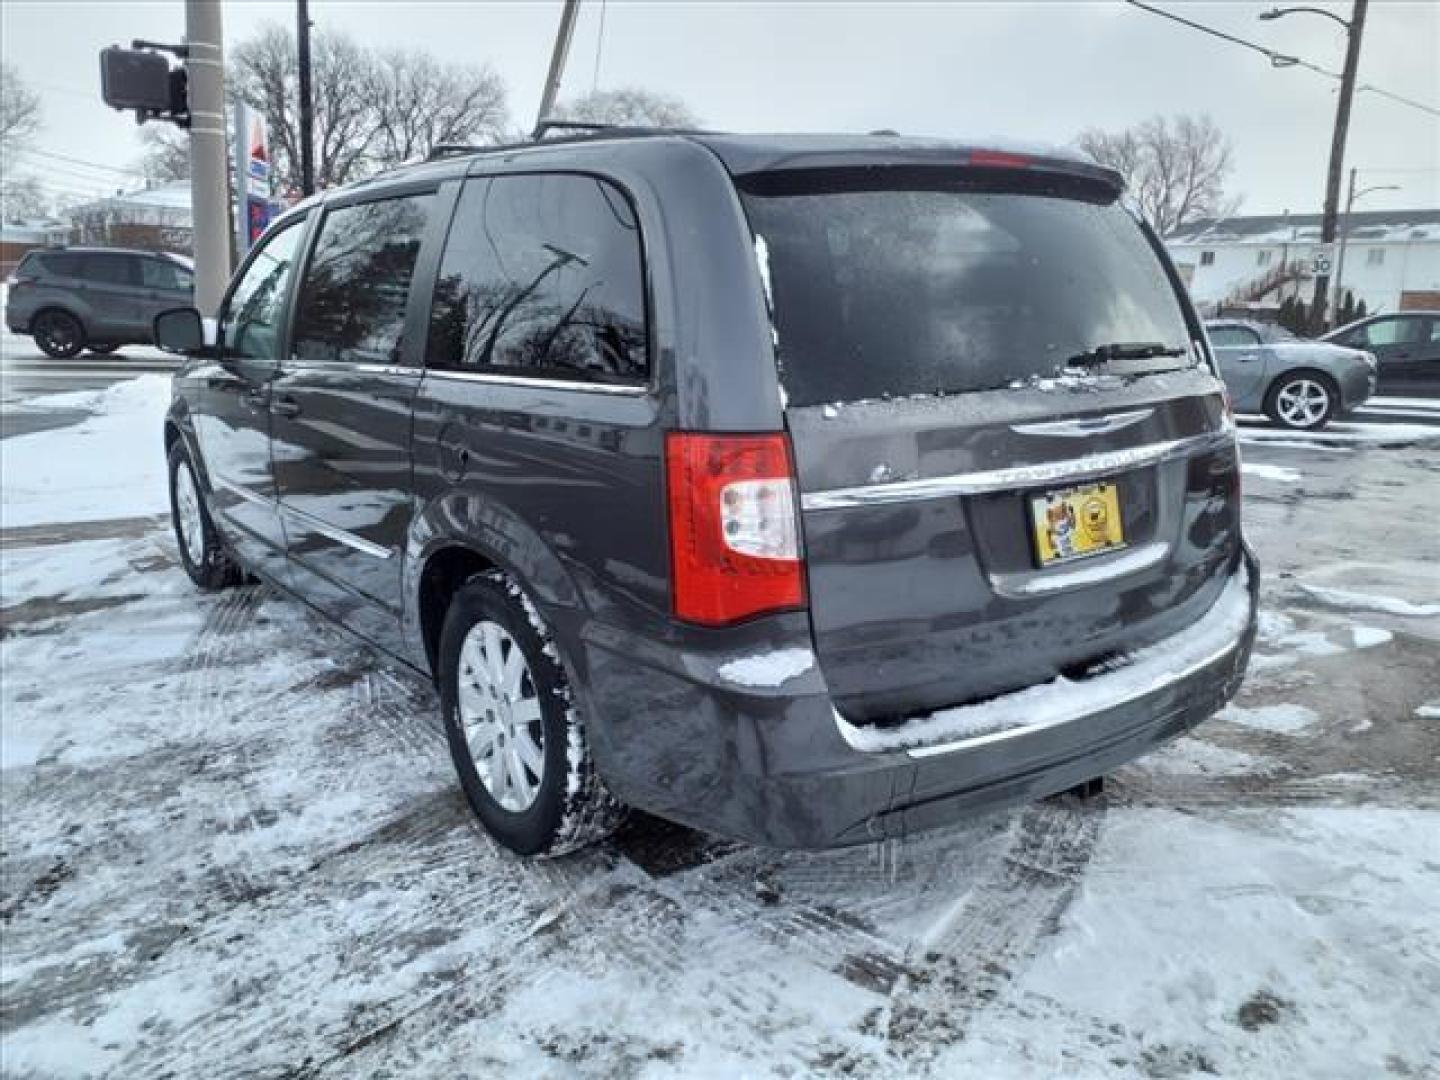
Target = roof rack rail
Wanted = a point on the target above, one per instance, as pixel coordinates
(543, 127)
(444, 150)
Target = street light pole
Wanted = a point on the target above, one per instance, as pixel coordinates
(1318, 315)
(557, 62)
(1338, 296)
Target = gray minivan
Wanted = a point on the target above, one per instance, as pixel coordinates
(71, 299)
(807, 490)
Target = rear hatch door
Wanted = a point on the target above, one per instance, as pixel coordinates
(1014, 459)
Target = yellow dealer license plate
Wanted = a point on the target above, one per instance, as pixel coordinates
(1077, 522)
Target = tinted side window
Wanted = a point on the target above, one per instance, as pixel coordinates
(353, 296)
(1232, 337)
(111, 269)
(1393, 332)
(542, 276)
(250, 326)
(163, 274)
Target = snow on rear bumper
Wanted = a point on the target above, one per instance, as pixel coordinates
(1217, 635)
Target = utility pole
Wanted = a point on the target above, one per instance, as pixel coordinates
(307, 108)
(209, 186)
(557, 62)
(1318, 315)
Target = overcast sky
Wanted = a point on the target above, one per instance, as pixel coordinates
(1034, 71)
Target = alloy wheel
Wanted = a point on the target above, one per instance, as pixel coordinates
(187, 514)
(500, 715)
(1302, 403)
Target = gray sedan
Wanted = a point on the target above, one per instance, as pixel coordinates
(1298, 384)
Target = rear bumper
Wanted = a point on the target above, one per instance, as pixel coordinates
(777, 765)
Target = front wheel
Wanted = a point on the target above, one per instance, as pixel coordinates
(1302, 401)
(517, 740)
(201, 552)
(58, 333)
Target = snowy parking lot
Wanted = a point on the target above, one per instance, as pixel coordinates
(233, 845)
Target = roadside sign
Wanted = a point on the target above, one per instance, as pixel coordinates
(1322, 260)
(252, 177)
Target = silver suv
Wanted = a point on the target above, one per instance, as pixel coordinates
(70, 299)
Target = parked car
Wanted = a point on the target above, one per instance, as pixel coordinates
(1297, 384)
(1406, 344)
(806, 490)
(70, 299)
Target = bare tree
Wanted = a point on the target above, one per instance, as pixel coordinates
(1176, 170)
(24, 198)
(166, 158)
(630, 106)
(372, 109)
(19, 110)
(419, 103)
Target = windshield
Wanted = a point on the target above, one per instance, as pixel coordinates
(940, 286)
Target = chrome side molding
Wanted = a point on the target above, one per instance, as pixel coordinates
(1085, 467)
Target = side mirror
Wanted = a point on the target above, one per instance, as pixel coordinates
(181, 330)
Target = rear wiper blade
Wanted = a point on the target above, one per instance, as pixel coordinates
(1124, 350)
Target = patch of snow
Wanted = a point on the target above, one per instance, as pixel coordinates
(1189, 755)
(1357, 601)
(1366, 637)
(110, 465)
(1356, 910)
(830, 412)
(768, 669)
(1062, 699)
(1429, 711)
(1278, 473)
(1282, 719)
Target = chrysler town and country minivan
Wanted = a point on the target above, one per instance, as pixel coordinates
(806, 490)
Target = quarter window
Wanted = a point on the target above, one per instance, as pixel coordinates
(356, 286)
(542, 276)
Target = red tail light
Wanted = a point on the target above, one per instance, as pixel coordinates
(999, 159)
(734, 527)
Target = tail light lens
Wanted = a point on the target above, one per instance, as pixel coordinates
(734, 530)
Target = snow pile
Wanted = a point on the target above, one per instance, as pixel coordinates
(1060, 700)
(768, 669)
(1278, 473)
(1366, 637)
(1429, 711)
(1276, 719)
(109, 466)
(1357, 601)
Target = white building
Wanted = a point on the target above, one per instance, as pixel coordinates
(1392, 259)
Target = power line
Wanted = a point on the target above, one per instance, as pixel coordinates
(81, 161)
(1277, 59)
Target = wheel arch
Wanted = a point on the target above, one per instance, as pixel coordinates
(465, 534)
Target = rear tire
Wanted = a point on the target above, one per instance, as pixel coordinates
(1303, 400)
(58, 334)
(201, 552)
(516, 737)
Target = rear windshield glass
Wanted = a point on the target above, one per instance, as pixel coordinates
(905, 285)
